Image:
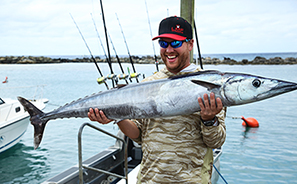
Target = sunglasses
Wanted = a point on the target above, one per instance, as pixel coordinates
(174, 44)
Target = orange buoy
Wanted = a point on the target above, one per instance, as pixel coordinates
(249, 122)
(6, 80)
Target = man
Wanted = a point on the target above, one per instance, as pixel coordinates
(176, 149)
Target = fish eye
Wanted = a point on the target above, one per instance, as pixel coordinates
(256, 83)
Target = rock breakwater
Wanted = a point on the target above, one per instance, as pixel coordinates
(144, 60)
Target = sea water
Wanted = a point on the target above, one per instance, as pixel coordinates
(267, 154)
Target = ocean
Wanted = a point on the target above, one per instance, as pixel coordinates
(256, 155)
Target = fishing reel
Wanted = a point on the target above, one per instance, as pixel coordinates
(101, 80)
(123, 76)
(134, 75)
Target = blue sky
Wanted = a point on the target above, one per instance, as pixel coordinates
(44, 27)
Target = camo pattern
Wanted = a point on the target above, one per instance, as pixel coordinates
(178, 149)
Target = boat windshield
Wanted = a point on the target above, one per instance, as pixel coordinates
(1, 101)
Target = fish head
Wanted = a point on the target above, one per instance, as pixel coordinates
(241, 89)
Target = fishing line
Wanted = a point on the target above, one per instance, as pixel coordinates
(234, 117)
(53, 104)
(102, 77)
(220, 174)
(134, 74)
(107, 45)
(200, 61)
(148, 17)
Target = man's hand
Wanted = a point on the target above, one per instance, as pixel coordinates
(128, 127)
(211, 107)
(99, 116)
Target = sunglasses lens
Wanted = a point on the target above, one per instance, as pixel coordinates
(163, 44)
(176, 44)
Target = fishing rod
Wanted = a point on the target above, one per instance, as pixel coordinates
(200, 60)
(123, 75)
(120, 76)
(133, 75)
(99, 80)
(148, 17)
(99, 38)
(112, 76)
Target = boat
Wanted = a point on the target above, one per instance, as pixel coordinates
(14, 121)
(110, 165)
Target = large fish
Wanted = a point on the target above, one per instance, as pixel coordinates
(166, 97)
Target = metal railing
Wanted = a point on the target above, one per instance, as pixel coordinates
(80, 164)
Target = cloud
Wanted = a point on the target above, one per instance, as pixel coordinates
(32, 27)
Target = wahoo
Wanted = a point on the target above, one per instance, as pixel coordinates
(162, 98)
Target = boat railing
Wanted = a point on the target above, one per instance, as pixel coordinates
(81, 166)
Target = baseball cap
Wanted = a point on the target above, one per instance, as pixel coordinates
(175, 28)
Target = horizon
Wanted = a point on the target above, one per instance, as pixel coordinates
(152, 54)
(235, 56)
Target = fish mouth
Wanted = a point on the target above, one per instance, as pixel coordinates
(282, 87)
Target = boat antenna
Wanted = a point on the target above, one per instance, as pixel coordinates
(112, 76)
(196, 35)
(148, 17)
(134, 75)
(102, 79)
(123, 75)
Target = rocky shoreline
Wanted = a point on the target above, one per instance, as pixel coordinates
(145, 60)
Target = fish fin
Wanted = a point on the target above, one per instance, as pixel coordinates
(205, 84)
(121, 85)
(36, 121)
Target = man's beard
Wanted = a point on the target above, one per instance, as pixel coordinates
(181, 63)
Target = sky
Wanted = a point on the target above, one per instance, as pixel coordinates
(45, 27)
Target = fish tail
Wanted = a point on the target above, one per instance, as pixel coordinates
(36, 120)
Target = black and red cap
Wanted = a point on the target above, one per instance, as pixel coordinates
(175, 28)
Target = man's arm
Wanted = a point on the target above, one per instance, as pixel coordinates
(128, 127)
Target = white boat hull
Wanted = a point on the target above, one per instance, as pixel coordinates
(12, 133)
